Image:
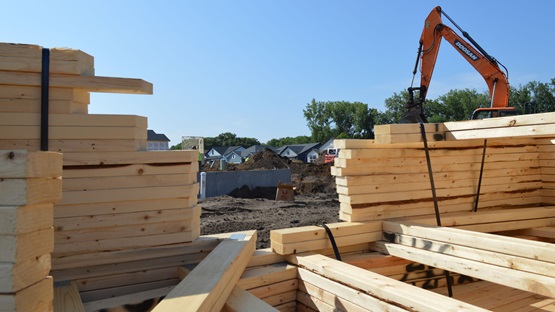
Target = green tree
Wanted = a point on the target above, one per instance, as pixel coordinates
(458, 105)
(339, 119)
(301, 139)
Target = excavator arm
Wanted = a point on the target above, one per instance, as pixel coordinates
(430, 41)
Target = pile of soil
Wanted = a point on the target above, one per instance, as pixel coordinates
(315, 200)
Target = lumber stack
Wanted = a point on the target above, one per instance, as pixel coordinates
(118, 200)
(388, 177)
(30, 184)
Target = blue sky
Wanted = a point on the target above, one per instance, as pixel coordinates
(251, 67)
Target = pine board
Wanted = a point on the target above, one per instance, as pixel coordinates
(78, 145)
(38, 297)
(122, 182)
(126, 158)
(23, 247)
(30, 164)
(15, 277)
(30, 106)
(31, 191)
(33, 51)
(54, 94)
(66, 120)
(73, 133)
(128, 170)
(16, 220)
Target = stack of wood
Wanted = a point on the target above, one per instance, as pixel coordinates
(117, 198)
(30, 184)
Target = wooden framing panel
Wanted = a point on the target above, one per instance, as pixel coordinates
(378, 286)
(209, 285)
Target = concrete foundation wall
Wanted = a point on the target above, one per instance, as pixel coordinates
(223, 182)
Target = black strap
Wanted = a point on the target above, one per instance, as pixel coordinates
(432, 184)
(332, 240)
(480, 178)
(45, 82)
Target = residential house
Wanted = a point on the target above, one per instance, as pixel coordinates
(248, 152)
(231, 154)
(307, 153)
(157, 141)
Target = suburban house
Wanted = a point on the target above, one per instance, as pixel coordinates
(306, 152)
(255, 149)
(157, 141)
(231, 154)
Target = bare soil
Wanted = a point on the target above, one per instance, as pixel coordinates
(315, 201)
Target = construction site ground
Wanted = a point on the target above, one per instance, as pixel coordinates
(315, 200)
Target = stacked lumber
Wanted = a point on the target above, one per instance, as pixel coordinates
(30, 184)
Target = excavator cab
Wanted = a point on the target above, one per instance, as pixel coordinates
(493, 112)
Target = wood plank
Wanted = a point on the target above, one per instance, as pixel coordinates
(314, 245)
(38, 297)
(72, 146)
(33, 51)
(23, 64)
(68, 120)
(267, 275)
(242, 300)
(378, 286)
(66, 298)
(99, 294)
(30, 164)
(125, 279)
(547, 232)
(500, 244)
(126, 158)
(89, 83)
(275, 289)
(73, 133)
(122, 182)
(213, 279)
(33, 106)
(341, 296)
(265, 256)
(517, 279)
(140, 193)
(128, 170)
(307, 233)
(14, 277)
(26, 246)
(34, 93)
(33, 191)
(283, 298)
(504, 122)
(16, 220)
(126, 299)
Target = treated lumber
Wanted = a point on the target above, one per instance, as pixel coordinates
(14, 277)
(242, 300)
(126, 158)
(341, 296)
(127, 194)
(16, 220)
(89, 83)
(31, 191)
(378, 286)
(34, 93)
(37, 297)
(209, 285)
(26, 246)
(126, 299)
(30, 164)
(66, 298)
(27, 106)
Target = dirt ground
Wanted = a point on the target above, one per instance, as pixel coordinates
(315, 201)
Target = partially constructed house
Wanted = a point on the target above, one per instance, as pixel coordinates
(90, 220)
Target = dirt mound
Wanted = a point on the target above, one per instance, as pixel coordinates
(308, 178)
(257, 192)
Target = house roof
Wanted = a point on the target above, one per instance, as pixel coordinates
(224, 150)
(153, 136)
(299, 148)
(255, 148)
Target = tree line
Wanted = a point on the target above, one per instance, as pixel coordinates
(356, 120)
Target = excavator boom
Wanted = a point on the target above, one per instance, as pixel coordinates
(432, 34)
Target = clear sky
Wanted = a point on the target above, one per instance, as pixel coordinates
(251, 67)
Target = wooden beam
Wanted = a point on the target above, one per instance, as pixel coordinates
(68, 120)
(89, 83)
(378, 286)
(209, 285)
(31, 191)
(66, 298)
(38, 297)
(23, 247)
(14, 277)
(126, 158)
(16, 220)
(30, 164)
(33, 51)
(126, 299)
(242, 300)
(34, 93)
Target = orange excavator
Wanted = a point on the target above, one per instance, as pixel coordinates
(497, 81)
